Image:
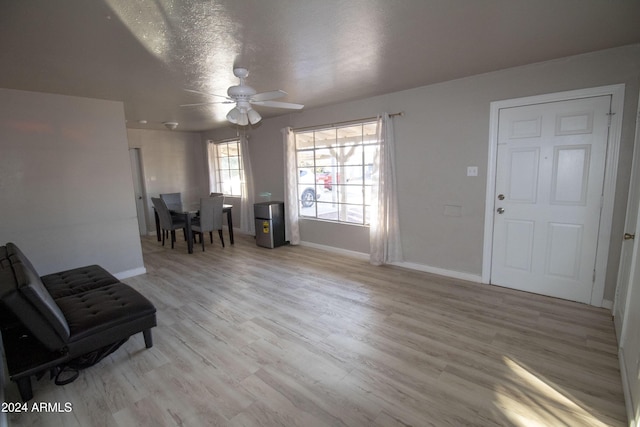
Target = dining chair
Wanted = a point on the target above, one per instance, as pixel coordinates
(174, 204)
(173, 201)
(218, 195)
(167, 221)
(210, 218)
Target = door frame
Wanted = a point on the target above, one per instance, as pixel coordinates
(610, 174)
(139, 176)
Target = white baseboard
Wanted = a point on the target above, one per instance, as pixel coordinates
(130, 273)
(440, 271)
(359, 255)
(607, 304)
(409, 265)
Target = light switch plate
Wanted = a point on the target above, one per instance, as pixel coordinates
(472, 171)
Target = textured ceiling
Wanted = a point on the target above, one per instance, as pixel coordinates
(146, 52)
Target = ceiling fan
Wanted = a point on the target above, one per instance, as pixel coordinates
(244, 97)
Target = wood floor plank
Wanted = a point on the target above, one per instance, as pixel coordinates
(297, 336)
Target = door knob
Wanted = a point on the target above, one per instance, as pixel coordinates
(500, 196)
(629, 236)
(500, 211)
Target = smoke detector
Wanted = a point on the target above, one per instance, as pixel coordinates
(170, 125)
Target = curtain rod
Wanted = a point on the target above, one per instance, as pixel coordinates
(220, 141)
(329, 125)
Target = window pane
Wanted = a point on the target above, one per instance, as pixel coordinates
(325, 176)
(349, 193)
(355, 214)
(306, 176)
(367, 195)
(307, 195)
(325, 138)
(225, 188)
(236, 184)
(351, 131)
(369, 133)
(304, 140)
(305, 158)
(224, 175)
(234, 149)
(224, 163)
(234, 163)
(370, 154)
(327, 211)
(353, 156)
(353, 175)
(325, 157)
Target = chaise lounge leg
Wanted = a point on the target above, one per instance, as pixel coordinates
(148, 339)
(24, 387)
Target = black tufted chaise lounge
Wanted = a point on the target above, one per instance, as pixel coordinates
(47, 321)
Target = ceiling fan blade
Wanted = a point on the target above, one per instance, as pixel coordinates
(199, 104)
(278, 104)
(266, 96)
(206, 94)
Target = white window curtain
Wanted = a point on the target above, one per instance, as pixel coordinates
(213, 175)
(247, 223)
(292, 229)
(384, 231)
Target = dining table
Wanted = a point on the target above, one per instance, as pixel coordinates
(188, 214)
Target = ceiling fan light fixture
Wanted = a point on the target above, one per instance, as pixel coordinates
(234, 115)
(244, 120)
(241, 115)
(254, 117)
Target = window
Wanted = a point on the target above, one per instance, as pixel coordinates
(225, 157)
(335, 166)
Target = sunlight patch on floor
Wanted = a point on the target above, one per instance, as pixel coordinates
(540, 402)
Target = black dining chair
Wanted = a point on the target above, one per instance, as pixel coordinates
(210, 218)
(167, 221)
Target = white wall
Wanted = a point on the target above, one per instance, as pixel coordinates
(172, 162)
(445, 129)
(65, 183)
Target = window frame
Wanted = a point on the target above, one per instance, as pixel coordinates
(223, 167)
(330, 165)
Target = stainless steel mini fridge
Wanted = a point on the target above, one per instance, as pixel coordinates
(269, 224)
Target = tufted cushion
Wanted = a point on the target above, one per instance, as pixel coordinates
(78, 280)
(99, 310)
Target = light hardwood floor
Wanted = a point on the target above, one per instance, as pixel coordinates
(296, 336)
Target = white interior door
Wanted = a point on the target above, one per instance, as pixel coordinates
(626, 309)
(630, 337)
(139, 189)
(549, 184)
(628, 246)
